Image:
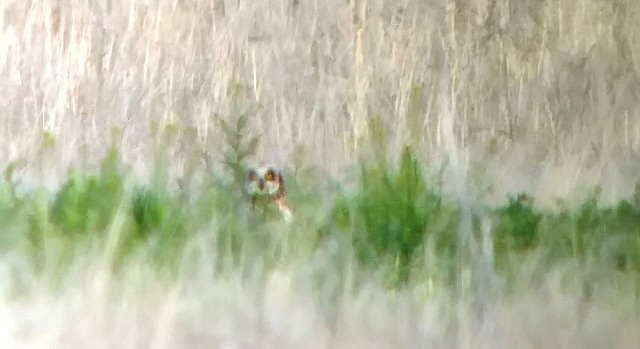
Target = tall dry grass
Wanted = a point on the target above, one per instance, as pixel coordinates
(544, 96)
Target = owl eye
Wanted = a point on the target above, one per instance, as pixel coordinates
(252, 176)
(270, 175)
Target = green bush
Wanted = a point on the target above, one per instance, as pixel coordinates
(396, 222)
(391, 216)
(87, 203)
(518, 223)
(610, 234)
(160, 222)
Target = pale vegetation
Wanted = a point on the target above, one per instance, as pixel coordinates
(165, 100)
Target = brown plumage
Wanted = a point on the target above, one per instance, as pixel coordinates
(265, 184)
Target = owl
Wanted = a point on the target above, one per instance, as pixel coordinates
(265, 185)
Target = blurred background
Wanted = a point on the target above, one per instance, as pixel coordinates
(543, 95)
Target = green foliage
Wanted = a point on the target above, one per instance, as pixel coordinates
(160, 223)
(392, 214)
(395, 222)
(516, 230)
(622, 245)
(393, 208)
(149, 211)
(9, 184)
(240, 145)
(517, 224)
(611, 234)
(87, 203)
(12, 208)
(156, 212)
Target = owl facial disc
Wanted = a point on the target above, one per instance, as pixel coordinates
(263, 180)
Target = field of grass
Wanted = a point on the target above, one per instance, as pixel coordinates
(462, 174)
(389, 262)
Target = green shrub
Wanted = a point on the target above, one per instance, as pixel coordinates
(161, 223)
(611, 234)
(149, 210)
(392, 214)
(396, 222)
(87, 203)
(621, 235)
(517, 224)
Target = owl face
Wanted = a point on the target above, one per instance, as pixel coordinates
(265, 185)
(263, 180)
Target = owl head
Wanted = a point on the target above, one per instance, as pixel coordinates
(265, 185)
(264, 180)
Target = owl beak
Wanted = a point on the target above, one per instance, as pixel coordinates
(261, 184)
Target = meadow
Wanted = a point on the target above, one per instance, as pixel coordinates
(462, 174)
